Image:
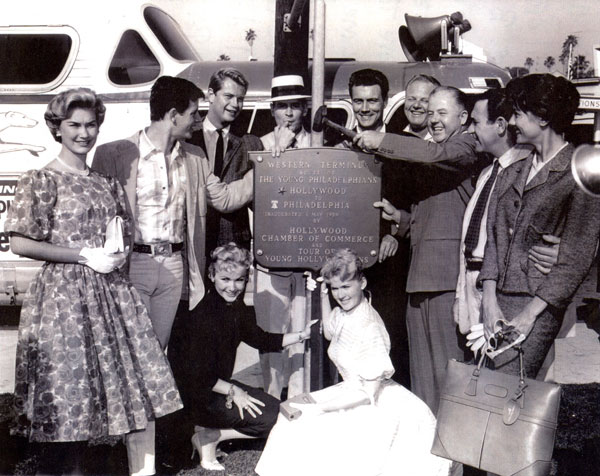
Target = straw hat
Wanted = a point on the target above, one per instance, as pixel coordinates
(287, 87)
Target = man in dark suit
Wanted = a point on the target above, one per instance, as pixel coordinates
(368, 89)
(226, 153)
(449, 163)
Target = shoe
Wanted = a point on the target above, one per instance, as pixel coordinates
(204, 437)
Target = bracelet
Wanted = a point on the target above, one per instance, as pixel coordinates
(300, 339)
(229, 398)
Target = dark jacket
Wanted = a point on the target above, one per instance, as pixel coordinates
(204, 342)
(232, 226)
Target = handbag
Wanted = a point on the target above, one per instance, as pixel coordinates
(502, 423)
(113, 239)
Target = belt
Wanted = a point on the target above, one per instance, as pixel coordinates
(474, 264)
(163, 248)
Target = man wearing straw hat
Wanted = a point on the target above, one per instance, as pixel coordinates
(279, 300)
(289, 108)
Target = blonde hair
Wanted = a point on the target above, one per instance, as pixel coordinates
(344, 264)
(60, 108)
(227, 257)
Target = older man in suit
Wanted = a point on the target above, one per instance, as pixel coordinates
(449, 163)
(226, 153)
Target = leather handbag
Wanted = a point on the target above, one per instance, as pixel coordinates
(501, 423)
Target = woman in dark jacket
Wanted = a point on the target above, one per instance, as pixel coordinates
(202, 354)
(535, 198)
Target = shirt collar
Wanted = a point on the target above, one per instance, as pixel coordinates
(514, 154)
(537, 159)
(426, 137)
(147, 148)
(210, 127)
(360, 129)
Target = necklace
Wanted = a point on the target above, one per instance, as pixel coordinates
(75, 170)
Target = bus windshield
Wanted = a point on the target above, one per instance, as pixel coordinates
(170, 35)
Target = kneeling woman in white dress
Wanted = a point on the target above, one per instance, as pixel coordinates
(367, 424)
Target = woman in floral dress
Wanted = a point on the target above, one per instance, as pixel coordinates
(88, 363)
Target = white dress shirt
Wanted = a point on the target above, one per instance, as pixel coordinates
(210, 139)
(467, 303)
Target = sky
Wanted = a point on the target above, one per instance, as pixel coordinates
(508, 30)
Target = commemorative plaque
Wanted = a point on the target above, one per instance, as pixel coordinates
(310, 202)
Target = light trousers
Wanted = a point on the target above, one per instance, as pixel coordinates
(159, 281)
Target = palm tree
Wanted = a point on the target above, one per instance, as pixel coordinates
(223, 57)
(569, 44)
(529, 62)
(580, 67)
(549, 62)
(250, 37)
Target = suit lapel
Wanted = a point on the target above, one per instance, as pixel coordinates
(557, 164)
(128, 168)
(233, 145)
(191, 192)
(516, 175)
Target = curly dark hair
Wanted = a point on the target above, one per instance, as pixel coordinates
(369, 77)
(551, 98)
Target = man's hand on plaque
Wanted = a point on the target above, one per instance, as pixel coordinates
(368, 140)
(388, 211)
(388, 247)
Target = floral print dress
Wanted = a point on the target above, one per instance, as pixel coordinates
(88, 364)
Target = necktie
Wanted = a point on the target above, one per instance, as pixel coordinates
(213, 226)
(472, 236)
(219, 151)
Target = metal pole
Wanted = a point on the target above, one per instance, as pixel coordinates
(316, 140)
(318, 67)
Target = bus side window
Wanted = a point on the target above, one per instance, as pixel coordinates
(133, 62)
(398, 121)
(32, 58)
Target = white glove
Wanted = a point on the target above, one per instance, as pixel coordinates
(100, 261)
(476, 339)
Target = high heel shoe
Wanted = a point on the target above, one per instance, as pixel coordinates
(204, 437)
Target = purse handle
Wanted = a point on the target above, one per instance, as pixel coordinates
(471, 389)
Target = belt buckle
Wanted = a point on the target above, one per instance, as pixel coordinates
(162, 249)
